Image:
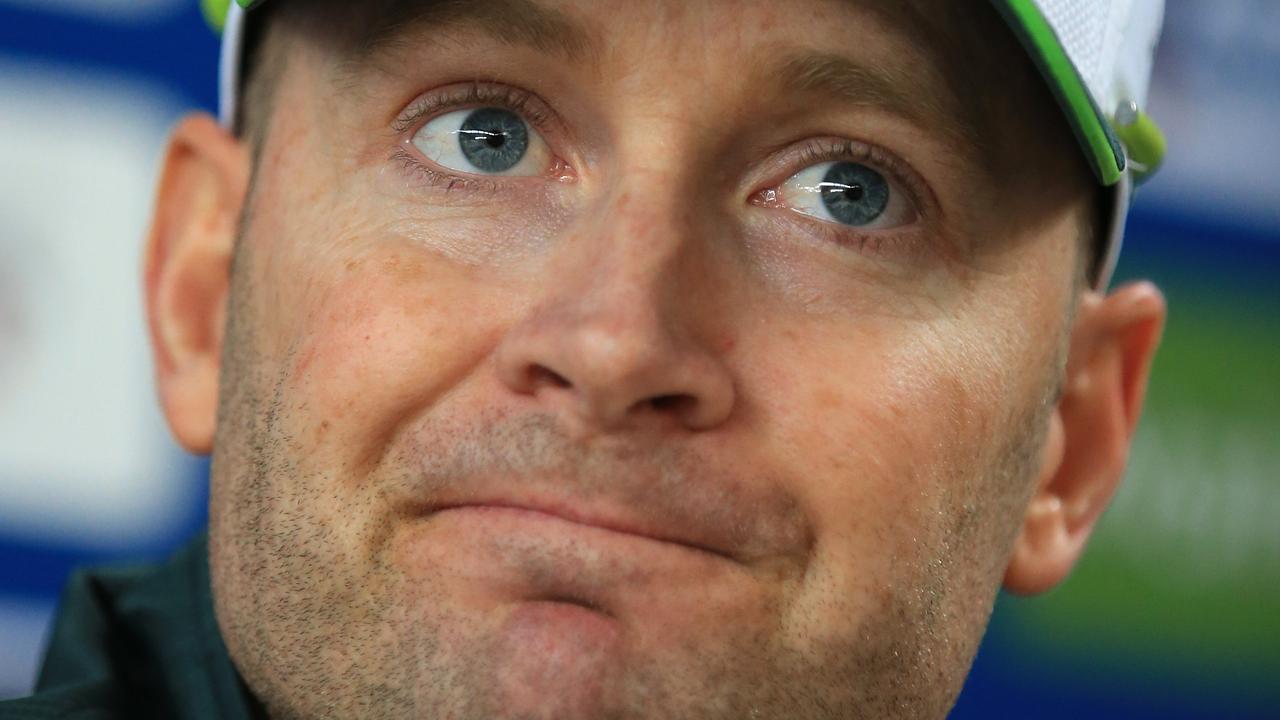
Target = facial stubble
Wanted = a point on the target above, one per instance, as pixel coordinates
(321, 624)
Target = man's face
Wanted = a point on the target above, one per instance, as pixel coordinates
(723, 400)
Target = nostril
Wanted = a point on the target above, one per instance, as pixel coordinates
(540, 375)
(668, 402)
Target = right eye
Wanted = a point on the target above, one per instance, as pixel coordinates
(849, 193)
(484, 141)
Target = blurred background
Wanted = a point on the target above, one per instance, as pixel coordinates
(1174, 612)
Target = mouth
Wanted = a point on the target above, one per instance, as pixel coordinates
(596, 519)
(572, 560)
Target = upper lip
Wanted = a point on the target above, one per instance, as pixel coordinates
(729, 507)
(677, 530)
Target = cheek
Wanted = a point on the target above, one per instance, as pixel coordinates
(383, 338)
(362, 320)
(892, 430)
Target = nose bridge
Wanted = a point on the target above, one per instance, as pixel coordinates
(651, 197)
(613, 337)
(641, 237)
(636, 251)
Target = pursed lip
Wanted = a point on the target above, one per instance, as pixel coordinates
(602, 517)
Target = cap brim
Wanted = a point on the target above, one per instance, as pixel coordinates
(1101, 147)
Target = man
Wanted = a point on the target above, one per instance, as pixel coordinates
(568, 359)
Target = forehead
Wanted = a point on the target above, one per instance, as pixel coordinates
(953, 68)
(568, 23)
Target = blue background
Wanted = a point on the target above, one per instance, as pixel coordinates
(1158, 642)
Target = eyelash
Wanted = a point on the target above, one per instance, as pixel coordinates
(820, 150)
(473, 94)
(518, 101)
(526, 105)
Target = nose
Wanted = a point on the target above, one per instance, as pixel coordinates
(623, 335)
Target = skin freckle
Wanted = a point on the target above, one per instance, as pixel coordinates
(715, 460)
(304, 362)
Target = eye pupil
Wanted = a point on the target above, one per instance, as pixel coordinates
(854, 194)
(493, 140)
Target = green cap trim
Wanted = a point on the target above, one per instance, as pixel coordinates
(1096, 137)
(215, 13)
(1145, 143)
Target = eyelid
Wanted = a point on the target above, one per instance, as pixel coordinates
(461, 96)
(828, 149)
(905, 246)
(477, 93)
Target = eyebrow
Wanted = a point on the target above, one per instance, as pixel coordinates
(511, 22)
(877, 86)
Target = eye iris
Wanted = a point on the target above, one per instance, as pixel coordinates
(854, 194)
(493, 140)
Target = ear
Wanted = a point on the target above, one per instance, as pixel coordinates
(187, 267)
(1112, 344)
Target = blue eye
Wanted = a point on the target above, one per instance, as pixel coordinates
(484, 141)
(493, 140)
(848, 193)
(854, 194)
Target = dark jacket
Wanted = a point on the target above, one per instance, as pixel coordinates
(138, 643)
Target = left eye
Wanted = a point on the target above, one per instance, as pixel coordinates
(848, 193)
(484, 141)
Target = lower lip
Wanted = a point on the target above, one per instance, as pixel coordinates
(502, 516)
(521, 554)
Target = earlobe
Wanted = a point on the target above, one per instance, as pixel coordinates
(187, 265)
(1112, 345)
(1043, 539)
